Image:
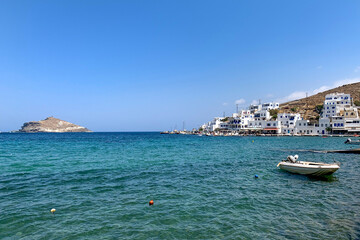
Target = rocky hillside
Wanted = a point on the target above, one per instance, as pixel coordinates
(306, 106)
(51, 124)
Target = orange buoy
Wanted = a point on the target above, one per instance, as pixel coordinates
(151, 202)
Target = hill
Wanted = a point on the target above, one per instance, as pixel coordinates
(307, 106)
(51, 124)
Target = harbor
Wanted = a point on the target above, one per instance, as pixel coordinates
(337, 116)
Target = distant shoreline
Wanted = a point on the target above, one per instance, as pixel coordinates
(158, 132)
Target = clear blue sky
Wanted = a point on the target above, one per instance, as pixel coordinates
(150, 65)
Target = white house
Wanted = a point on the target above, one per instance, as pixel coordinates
(270, 105)
(334, 102)
(304, 127)
(212, 125)
(253, 108)
(288, 119)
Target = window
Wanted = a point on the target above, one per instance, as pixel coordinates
(299, 124)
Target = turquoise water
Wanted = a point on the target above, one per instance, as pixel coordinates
(202, 187)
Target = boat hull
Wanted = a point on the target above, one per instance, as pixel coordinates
(307, 169)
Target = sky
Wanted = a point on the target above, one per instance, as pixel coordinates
(152, 65)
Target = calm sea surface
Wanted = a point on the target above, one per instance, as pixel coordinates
(202, 187)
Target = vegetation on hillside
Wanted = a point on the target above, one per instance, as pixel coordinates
(274, 113)
(319, 108)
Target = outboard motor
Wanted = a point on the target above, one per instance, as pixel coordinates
(348, 140)
(291, 158)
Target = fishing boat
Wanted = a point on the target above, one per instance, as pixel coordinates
(291, 164)
(350, 141)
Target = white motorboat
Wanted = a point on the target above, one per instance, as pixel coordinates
(307, 168)
(349, 141)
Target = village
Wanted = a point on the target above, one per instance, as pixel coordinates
(338, 116)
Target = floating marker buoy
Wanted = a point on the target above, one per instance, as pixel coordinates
(151, 203)
(252, 140)
(256, 176)
(53, 210)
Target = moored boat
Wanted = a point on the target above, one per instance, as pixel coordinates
(307, 168)
(350, 141)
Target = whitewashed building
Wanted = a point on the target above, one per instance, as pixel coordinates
(288, 122)
(334, 102)
(212, 125)
(339, 116)
(270, 105)
(239, 121)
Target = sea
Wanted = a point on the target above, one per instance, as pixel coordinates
(203, 187)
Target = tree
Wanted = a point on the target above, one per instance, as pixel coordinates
(329, 129)
(319, 108)
(293, 109)
(357, 103)
(273, 113)
(225, 119)
(201, 129)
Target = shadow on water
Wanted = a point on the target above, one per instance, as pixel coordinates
(325, 178)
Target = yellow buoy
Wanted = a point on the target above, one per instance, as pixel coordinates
(53, 210)
(252, 140)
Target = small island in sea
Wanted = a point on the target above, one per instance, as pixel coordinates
(51, 124)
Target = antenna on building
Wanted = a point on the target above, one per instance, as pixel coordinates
(237, 108)
(306, 94)
(224, 114)
(259, 101)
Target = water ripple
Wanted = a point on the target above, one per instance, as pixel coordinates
(203, 188)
